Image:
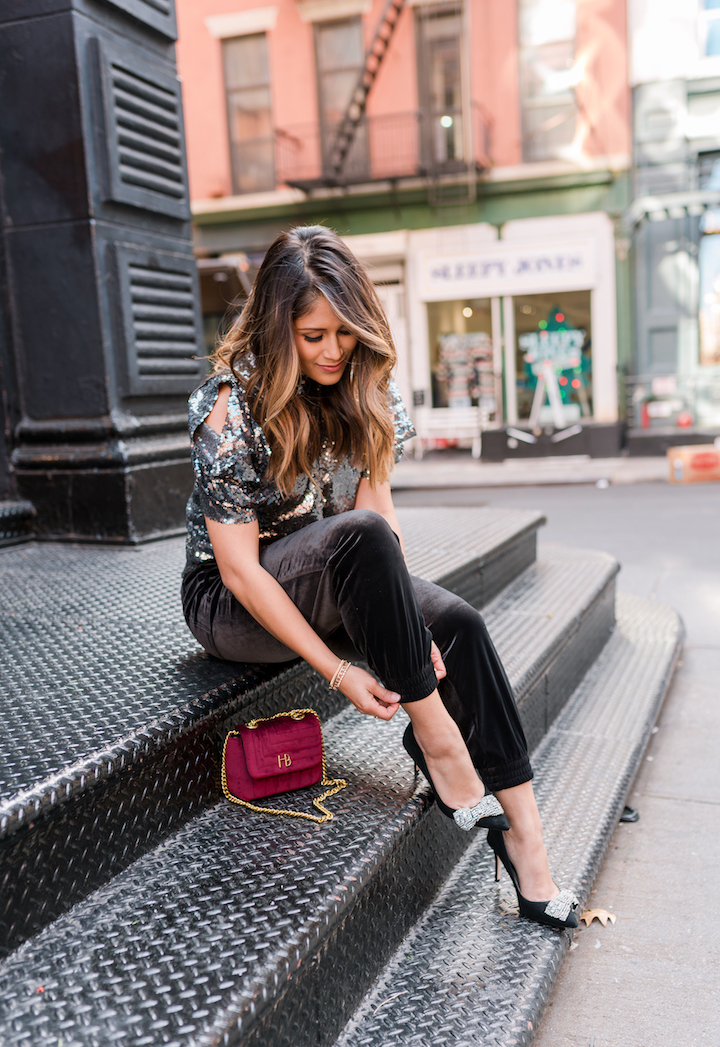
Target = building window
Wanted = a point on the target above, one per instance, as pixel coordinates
(710, 27)
(439, 36)
(547, 77)
(247, 88)
(340, 57)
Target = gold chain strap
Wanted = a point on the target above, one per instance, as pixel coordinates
(336, 784)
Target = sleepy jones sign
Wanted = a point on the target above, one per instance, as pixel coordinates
(506, 269)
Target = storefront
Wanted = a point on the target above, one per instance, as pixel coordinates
(519, 330)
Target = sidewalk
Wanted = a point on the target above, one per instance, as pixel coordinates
(651, 980)
(459, 469)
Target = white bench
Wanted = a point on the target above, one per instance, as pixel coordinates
(448, 423)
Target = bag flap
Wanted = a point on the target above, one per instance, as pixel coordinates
(281, 746)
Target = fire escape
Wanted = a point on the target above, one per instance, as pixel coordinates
(345, 135)
(399, 142)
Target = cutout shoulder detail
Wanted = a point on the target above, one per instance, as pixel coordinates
(216, 419)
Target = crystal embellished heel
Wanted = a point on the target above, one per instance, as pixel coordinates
(559, 912)
(488, 813)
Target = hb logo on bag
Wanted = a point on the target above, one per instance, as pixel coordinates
(284, 760)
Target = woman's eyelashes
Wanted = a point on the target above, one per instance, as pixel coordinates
(319, 337)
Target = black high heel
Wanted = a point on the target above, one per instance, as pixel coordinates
(488, 813)
(559, 912)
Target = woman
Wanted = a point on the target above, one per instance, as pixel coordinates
(293, 542)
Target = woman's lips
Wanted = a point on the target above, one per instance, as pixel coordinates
(331, 368)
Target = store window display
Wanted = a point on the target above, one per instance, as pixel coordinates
(465, 368)
(554, 346)
(461, 354)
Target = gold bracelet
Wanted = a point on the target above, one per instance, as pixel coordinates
(339, 675)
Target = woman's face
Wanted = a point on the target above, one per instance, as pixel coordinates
(324, 345)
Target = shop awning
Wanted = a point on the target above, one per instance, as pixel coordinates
(669, 205)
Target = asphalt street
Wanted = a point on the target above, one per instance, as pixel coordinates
(652, 979)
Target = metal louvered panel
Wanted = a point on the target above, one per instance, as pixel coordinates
(144, 138)
(147, 121)
(159, 14)
(161, 320)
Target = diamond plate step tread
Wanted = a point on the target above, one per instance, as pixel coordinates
(554, 592)
(83, 845)
(97, 666)
(124, 724)
(241, 901)
(472, 972)
(471, 554)
(549, 626)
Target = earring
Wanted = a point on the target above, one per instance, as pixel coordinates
(300, 387)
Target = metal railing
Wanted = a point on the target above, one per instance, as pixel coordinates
(397, 145)
(676, 401)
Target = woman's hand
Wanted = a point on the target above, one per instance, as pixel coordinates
(369, 696)
(438, 663)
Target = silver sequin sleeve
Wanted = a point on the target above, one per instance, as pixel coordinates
(231, 482)
(404, 428)
(229, 469)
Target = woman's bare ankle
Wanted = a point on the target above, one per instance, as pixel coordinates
(452, 773)
(448, 760)
(528, 854)
(440, 743)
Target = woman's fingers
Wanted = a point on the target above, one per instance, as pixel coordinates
(386, 702)
(382, 694)
(369, 696)
(437, 660)
(381, 712)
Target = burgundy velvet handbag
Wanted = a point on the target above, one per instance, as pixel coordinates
(277, 754)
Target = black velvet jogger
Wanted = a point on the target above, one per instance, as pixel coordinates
(347, 576)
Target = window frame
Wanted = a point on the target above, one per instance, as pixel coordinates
(430, 159)
(356, 167)
(528, 103)
(706, 16)
(235, 176)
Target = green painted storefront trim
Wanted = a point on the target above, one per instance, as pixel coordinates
(386, 211)
(380, 212)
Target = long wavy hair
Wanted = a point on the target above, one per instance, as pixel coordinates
(301, 266)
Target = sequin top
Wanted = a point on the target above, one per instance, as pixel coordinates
(231, 482)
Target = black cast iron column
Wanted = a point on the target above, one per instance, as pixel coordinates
(101, 284)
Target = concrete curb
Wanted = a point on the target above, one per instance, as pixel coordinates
(450, 470)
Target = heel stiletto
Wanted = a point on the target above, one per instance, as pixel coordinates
(559, 912)
(488, 813)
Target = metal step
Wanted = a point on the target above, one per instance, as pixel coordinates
(472, 972)
(472, 552)
(113, 718)
(15, 521)
(249, 929)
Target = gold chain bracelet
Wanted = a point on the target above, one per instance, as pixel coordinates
(339, 675)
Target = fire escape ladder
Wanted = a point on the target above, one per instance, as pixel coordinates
(345, 135)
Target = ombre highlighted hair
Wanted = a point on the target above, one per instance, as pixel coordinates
(300, 267)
